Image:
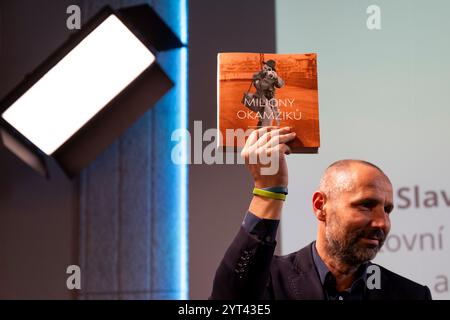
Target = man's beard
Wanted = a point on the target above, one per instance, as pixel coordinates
(346, 247)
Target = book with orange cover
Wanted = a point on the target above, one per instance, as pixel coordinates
(260, 89)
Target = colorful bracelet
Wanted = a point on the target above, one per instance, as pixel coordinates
(269, 194)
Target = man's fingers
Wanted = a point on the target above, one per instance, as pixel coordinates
(263, 138)
(278, 150)
(266, 137)
(265, 152)
(254, 136)
(252, 140)
(282, 138)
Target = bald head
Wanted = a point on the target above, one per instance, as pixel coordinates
(340, 176)
(352, 206)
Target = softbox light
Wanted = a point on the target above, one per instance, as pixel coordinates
(86, 94)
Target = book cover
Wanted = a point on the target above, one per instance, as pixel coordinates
(261, 89)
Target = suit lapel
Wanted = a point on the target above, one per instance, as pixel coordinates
(305, 282)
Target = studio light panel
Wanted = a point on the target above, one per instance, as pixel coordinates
(93, 73)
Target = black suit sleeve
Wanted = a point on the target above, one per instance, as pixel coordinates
(244, 272)
(427, 294)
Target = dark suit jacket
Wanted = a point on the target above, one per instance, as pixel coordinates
(250, 270)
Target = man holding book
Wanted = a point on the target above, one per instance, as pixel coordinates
(352, 207)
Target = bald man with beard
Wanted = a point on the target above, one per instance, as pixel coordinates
(352, 207)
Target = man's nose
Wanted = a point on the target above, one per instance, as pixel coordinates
(380, 219)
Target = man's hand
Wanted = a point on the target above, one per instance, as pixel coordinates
(265, 149)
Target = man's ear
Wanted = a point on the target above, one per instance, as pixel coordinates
(319, 200)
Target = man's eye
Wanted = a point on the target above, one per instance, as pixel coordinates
(388, 209)
(367, 205)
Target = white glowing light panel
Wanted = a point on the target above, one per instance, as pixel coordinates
(80, 85)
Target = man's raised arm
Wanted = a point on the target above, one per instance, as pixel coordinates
(244, 272)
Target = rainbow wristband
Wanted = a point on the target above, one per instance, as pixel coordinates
(269, 194)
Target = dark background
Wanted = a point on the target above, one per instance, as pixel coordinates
(40, 232)
(38, 218)
(219, 194)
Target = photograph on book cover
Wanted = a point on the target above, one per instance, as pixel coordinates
(259, 89)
